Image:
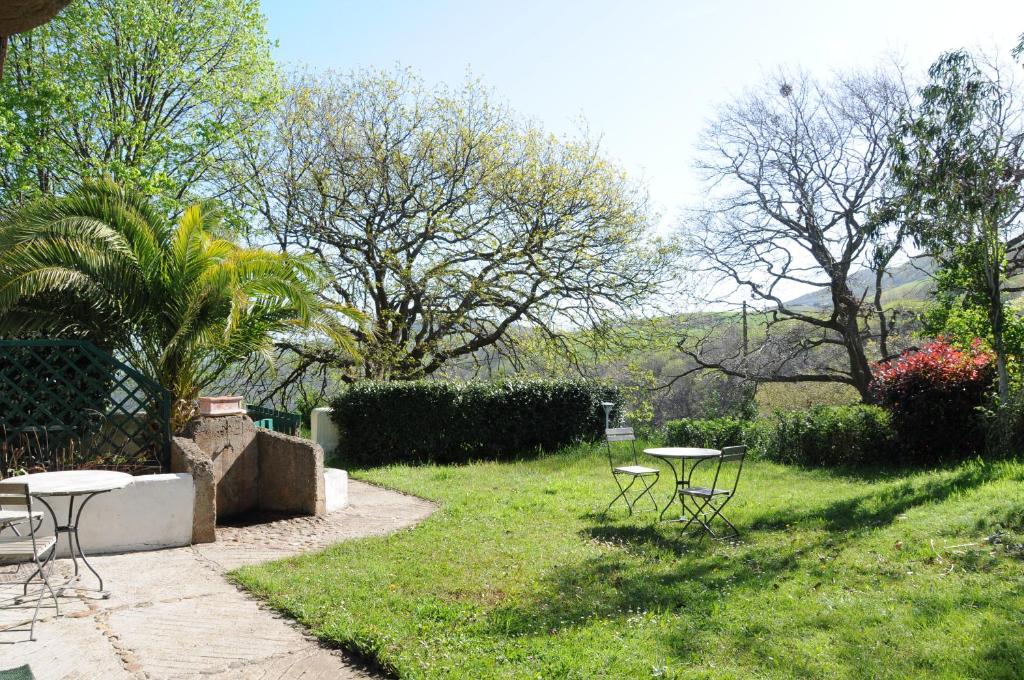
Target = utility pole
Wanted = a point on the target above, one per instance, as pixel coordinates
(745, 349)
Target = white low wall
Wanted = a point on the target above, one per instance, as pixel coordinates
(335, 489)
(323, 430)
(153, 512)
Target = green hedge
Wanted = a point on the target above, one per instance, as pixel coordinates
(443, 422)
(710, 433)
(831, 435)
(821, 436)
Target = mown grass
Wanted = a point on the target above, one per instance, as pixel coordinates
(839, 575)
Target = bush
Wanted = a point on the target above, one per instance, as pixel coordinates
(829, 435)
(710, 433)
(821, 436)
(1003, 422)
(934, 395)
(443, 422)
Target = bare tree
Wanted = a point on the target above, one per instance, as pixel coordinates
(449, 221)
(800, 193)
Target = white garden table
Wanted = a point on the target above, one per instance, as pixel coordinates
(73, 484)
(682, 475)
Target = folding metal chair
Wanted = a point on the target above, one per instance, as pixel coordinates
(711, 500)
(25, 546)
(634, 472)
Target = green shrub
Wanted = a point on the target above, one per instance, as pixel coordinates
(829, 435)
(1003, 424)
(443, 422)
(710, 433)
(821, 436)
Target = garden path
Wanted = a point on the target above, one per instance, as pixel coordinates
(173, 614)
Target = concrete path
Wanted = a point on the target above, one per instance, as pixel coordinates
(172, 614)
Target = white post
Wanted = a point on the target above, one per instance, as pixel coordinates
(323, 430)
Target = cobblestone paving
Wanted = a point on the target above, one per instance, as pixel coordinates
(172, 614)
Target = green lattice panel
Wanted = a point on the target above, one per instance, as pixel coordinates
(66, 404)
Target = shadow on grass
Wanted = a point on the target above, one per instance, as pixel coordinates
(880, 505)
(655, 567)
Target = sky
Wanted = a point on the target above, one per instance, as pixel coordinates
(645, 75)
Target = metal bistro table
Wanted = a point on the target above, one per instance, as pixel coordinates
(682, 475)
(73, 484)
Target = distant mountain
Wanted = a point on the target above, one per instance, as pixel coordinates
(910, 282)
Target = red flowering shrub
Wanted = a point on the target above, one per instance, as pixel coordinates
(933, 394)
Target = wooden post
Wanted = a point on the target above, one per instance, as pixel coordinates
(745, 349)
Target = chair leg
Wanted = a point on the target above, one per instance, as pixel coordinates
(695, 516)
(718, 513)
(622, 495)
(35, 615)
(648, 493)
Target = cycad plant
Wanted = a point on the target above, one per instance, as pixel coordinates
(168, 295)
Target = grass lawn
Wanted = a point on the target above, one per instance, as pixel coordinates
(884, 575)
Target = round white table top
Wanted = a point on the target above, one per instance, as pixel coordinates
(682, 452)
(73, 482)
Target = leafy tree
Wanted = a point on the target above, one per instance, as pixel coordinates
(960, 158)
(798, 194)
(179, 304)
(448, 220)
(151, 92)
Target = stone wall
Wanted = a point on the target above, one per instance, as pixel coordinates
(186, 456)
(230, 442)
(238, 467)
(291, 475)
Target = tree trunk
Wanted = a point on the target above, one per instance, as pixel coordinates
(860, 367)
(995, 315)
(853, 340)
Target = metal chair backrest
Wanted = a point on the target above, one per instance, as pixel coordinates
(619, 434)
(730, 466)
(15, 495)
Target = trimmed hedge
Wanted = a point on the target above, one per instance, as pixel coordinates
(443, 422)
(831, 435)
(709, 433)
(821, 436)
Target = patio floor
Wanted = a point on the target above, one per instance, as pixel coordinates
(172, 614)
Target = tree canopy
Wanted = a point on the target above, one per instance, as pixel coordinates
(150, 92)
(961, 162)
(798, 195)
(446, 218)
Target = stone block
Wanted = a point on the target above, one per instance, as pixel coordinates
(336, 489)
(230, 442)
(291, 474)
(186, 456)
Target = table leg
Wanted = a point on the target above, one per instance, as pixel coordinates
(682, 479)
(70, 529)
(78, 543)
(675, 487)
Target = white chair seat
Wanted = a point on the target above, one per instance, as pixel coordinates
(638, 470)
(13, 516)
(21, 546)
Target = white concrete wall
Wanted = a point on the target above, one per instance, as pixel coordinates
(323, 430)
(335, 488)
(153, 512)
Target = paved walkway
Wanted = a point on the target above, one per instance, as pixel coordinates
(172, 614)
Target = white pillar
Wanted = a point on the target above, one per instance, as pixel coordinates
(324, 431)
